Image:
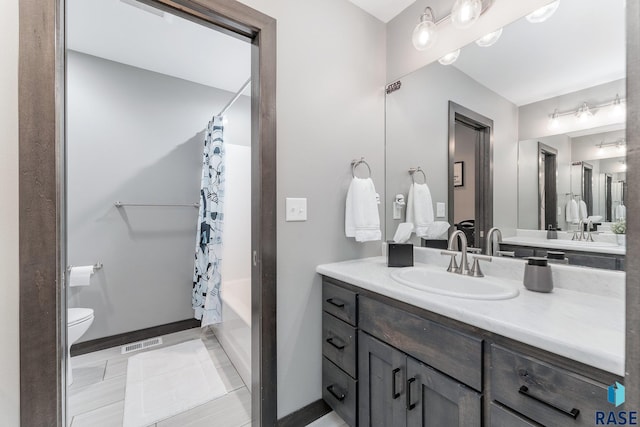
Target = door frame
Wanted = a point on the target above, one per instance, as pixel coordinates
(484, 164)
(41, 92)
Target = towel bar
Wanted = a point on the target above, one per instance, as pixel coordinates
(413, 171)
(356, 163)
(96, 266)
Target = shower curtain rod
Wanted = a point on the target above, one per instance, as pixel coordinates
(235, 98)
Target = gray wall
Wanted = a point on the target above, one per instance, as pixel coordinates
(417, 135)
(330, 100)
(9, 350)
(136, 136)
(528, 194)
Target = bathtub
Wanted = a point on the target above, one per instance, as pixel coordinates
(234, 333)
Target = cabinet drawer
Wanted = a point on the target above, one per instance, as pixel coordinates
(340, 302)
(454, 353)
(502, 417)
(339, 391)
(339, 343)
(547, 394)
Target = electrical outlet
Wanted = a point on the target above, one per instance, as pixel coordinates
(440, 210)
(296, 209)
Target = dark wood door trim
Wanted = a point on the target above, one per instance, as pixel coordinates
(42, 220)
(632, 260)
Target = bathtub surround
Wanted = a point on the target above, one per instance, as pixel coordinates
(147, 252)
(207, 276)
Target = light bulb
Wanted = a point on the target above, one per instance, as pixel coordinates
(489, 39)
(449, 58)
(465, 13)
(584, 114)
(225, 120)
(424, 35)
(624, 167)
(544, 13)
(618, 110)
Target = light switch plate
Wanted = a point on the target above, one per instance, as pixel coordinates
(440, 208)
(296, 209)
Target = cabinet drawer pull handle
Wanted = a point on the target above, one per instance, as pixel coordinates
(339, 395)
(573, 413)
(394, 391)
(332, 342)
(410, 405)
(333, 302)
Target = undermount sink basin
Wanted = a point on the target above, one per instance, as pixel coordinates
(454, 285)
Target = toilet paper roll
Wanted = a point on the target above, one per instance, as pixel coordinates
(81, 276)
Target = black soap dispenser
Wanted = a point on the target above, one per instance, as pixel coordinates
(537, 275)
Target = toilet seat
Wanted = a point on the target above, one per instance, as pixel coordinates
(78, 315)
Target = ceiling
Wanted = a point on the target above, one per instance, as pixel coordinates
(384, 10)
(581, 45)
(147, 38)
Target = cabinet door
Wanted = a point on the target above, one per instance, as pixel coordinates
(433, 399)
(382, 381)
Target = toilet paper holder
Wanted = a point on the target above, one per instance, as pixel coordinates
(96, 266)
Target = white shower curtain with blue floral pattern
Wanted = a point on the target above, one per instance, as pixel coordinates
(207, 277)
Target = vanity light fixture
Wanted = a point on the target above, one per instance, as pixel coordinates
(619, 143)
(554, 122)
(544, 13)
(584, 114)
(450, 57)
(424, 35)
(465, 13)
(489, 39)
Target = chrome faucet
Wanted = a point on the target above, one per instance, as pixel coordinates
(463, 268)
(491, 249)
(579, 233)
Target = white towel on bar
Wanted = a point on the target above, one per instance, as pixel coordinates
(572, 212)
(361, 219)
(420, 209)
(583, 210)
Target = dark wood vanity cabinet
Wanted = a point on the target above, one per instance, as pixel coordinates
(397, 390)
(390, 364)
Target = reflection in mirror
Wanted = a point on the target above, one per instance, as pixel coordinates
(556, 94)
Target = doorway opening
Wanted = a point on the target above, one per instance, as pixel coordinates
(470, 173)
(43, 260)
(547, 187)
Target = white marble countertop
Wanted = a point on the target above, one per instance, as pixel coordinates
(604, 242)
(585, 325)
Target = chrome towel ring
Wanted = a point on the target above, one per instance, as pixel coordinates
(356, 163)
(413, 172)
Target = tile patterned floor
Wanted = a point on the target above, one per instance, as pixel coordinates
(96, 397)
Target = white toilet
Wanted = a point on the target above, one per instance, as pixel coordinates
(78, 322)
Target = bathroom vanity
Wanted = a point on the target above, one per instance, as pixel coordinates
(394, 356)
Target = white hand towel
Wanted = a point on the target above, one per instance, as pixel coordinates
(621, 212)
(572, 212)
(436, 229)
(361, 219)
(420, 208)
(81, 276)
(583, 210)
